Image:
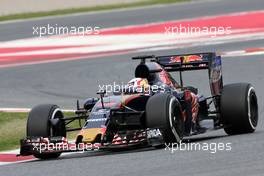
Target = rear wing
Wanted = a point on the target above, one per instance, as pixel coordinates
(189, 62)
(196, 61)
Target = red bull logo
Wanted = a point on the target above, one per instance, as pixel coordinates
(186, 59)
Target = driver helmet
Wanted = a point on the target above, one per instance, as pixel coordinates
(139, 85)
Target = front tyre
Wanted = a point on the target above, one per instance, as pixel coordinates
(39, 124)
(163, 112)
(239, 108)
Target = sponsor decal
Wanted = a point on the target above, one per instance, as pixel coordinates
(186, 59)
(96, 120)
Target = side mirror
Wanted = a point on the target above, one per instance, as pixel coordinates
(89, 103)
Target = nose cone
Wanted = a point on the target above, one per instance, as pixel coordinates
(90, 135)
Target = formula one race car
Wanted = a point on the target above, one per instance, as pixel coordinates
(157, 113)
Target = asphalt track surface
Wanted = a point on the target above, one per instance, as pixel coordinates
(62, 83)
(10, 31)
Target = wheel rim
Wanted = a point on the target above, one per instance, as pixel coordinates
(55, 114)
(173, 120)
(252, 108)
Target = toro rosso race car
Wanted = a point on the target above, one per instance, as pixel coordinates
(152, 110)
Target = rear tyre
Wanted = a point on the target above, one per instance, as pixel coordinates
(39, 125)
(239, 108)
(163, 112)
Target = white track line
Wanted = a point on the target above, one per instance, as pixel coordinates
(27, 110)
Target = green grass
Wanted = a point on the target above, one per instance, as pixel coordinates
(13, 128)
(85, 9)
